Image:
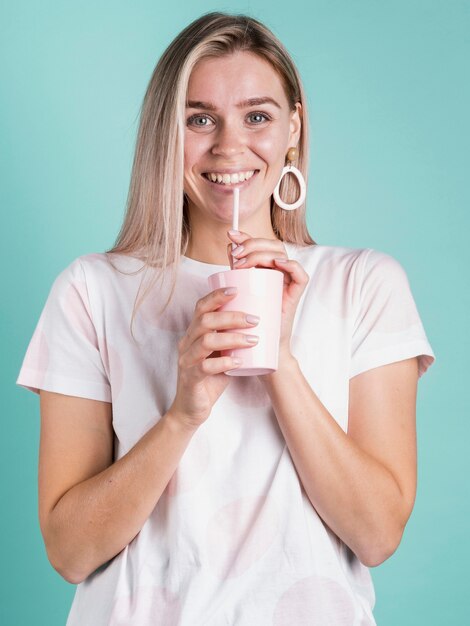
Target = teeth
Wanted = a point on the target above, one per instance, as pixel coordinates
(230, 179)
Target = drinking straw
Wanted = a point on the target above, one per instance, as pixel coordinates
(236, 202)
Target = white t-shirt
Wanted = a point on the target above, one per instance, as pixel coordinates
(234, 540)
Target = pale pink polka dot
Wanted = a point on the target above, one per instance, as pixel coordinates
(147, 606)
(77, 310)
(37, 355)
(314, 600)
(192, 466)
(179, 313)
(113, 365)
(240, 534)
(247, 391)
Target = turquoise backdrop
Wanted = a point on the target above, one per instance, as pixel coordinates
(388, 92)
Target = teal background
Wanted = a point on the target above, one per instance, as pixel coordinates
(388, 94)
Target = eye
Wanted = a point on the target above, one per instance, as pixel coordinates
(198, 120)
(258, 118)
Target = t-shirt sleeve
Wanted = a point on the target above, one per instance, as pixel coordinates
(387, 327)
(64, 352)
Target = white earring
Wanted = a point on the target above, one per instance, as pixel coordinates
(290, 169)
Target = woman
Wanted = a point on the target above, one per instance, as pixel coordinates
(170, 492)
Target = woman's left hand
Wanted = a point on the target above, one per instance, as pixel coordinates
(265, 253)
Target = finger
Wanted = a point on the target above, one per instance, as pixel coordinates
(298, 276)
(258, 258)
(257, 252)
(210, 342)
(238, 236)
(210, 302)
(218, 321)
(211, 367)
(251, 243)
(210, 321)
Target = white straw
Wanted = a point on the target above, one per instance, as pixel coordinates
(236, 202)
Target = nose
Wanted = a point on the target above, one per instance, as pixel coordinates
(229, 140)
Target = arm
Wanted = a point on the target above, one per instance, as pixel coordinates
(90, 509)
(361, 483)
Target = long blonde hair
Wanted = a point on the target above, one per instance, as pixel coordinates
(156, 227)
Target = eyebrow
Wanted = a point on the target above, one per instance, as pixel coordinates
(251, 102)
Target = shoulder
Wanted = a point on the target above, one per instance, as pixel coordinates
(103, 265)
(350, 274)
(341, 259)
(77, 267)
(332, 260)
(95, 262)
(85, 270)
(384, 271)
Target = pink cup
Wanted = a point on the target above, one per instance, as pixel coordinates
(259, 293)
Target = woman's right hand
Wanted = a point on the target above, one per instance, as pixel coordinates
(201, 378)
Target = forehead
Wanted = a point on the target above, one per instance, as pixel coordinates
(234, 77)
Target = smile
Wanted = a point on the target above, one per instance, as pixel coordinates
(229, 179)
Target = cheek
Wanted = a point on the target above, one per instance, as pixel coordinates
(193, 149)
(272, 149)
(188, 155)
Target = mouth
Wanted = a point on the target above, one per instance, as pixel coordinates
(224, 180)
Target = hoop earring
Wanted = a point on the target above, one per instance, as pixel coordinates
(292, 154)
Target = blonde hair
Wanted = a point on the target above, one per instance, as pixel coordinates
(156, 227)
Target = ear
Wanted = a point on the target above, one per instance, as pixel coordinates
(295, 125)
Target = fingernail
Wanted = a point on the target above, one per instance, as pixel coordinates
(281, 260)
(252, 319)
(234, 233)
(230, 291)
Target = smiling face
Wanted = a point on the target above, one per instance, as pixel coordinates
(239, 127)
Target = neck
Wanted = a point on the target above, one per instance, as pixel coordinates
(208, 240)
(212, 248)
